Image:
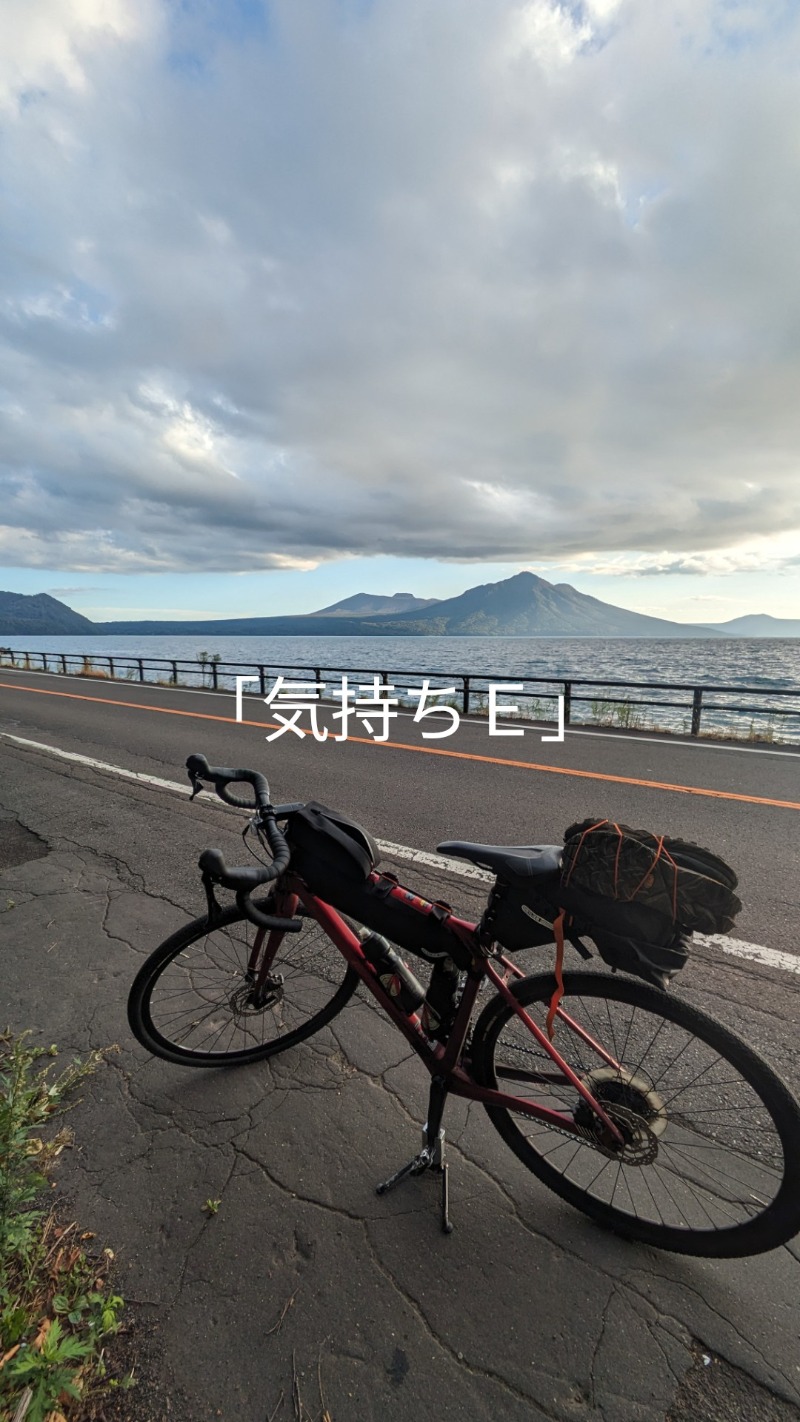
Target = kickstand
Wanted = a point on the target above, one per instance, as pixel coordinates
(432, 1155)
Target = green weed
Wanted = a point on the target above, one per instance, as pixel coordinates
(55, 1304)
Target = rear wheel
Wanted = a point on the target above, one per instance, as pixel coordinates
(192, 1002)
(711, 1158)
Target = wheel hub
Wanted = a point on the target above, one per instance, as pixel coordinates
(633, 1105)
(247, 1001)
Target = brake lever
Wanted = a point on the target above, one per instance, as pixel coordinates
(196, 783)
(214, 907)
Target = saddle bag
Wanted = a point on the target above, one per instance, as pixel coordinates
(519, 918)
(640, 896)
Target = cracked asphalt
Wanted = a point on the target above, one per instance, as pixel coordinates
(305, 1294)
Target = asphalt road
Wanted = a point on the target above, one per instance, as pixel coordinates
(744, 804)
(527, 1311)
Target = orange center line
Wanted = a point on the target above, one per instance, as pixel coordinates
(430, 750)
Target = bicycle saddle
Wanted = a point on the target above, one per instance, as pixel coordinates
(514, 862)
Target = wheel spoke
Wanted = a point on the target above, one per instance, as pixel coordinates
(703, 1155)
(196, 1004)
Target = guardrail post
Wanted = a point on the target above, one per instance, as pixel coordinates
(214, 676)
(262, 681)
(567, 702)
(44, 662)
(141, 668)
(174, 666)
(697, 710)
(63, 664)
(465, 680)
(111, 671)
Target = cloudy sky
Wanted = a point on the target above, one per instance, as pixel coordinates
(300, 297)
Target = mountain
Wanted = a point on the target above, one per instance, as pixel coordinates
(760, 624)
(522, 606)
(529, 606)
(39, 615)
(375, 605)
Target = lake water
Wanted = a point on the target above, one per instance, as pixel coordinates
(763, 664)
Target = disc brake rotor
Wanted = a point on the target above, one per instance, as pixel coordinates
(244, 1003)
(633, 1105)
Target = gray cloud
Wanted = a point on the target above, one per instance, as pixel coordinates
(83, 590)
(510, 282)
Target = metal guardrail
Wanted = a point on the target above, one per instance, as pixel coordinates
(470, 687)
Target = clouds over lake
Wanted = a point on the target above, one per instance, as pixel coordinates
(286, 281)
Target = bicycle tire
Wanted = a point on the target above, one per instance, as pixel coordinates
(295, 1011)
(708, 1153)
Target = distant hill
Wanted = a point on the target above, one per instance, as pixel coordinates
(39, 615)
(374, 605)
(522, 606)
(760, 624)
(300, 626)
(529, 606)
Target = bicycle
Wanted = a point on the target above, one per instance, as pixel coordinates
(641, 1111)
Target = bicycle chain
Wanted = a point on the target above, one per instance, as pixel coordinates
(618, 1114)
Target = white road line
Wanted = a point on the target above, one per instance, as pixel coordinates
(753, 952)
(734, 947)
(400, 851)
(435, 861)
(99, 764)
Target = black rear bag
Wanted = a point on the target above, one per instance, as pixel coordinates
(640, 896)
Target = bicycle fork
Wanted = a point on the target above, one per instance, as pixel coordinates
(432, 1154)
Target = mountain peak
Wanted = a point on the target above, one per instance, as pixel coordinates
(38, 614)
(526, 605)
(375, 605)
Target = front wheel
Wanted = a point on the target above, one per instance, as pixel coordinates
(192, 1001)
(711, 1158)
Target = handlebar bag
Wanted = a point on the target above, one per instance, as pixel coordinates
(329, 850)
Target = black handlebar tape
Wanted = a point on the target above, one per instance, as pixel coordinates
(221, 776)
(243, 880)
(267, 920)
(277, 843)
(238, 801)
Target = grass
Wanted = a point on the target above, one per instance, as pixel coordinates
(625, 714)
(763, 732)
(89, 669)
(57, 1309)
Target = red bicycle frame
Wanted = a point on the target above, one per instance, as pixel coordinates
(441, 1060)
